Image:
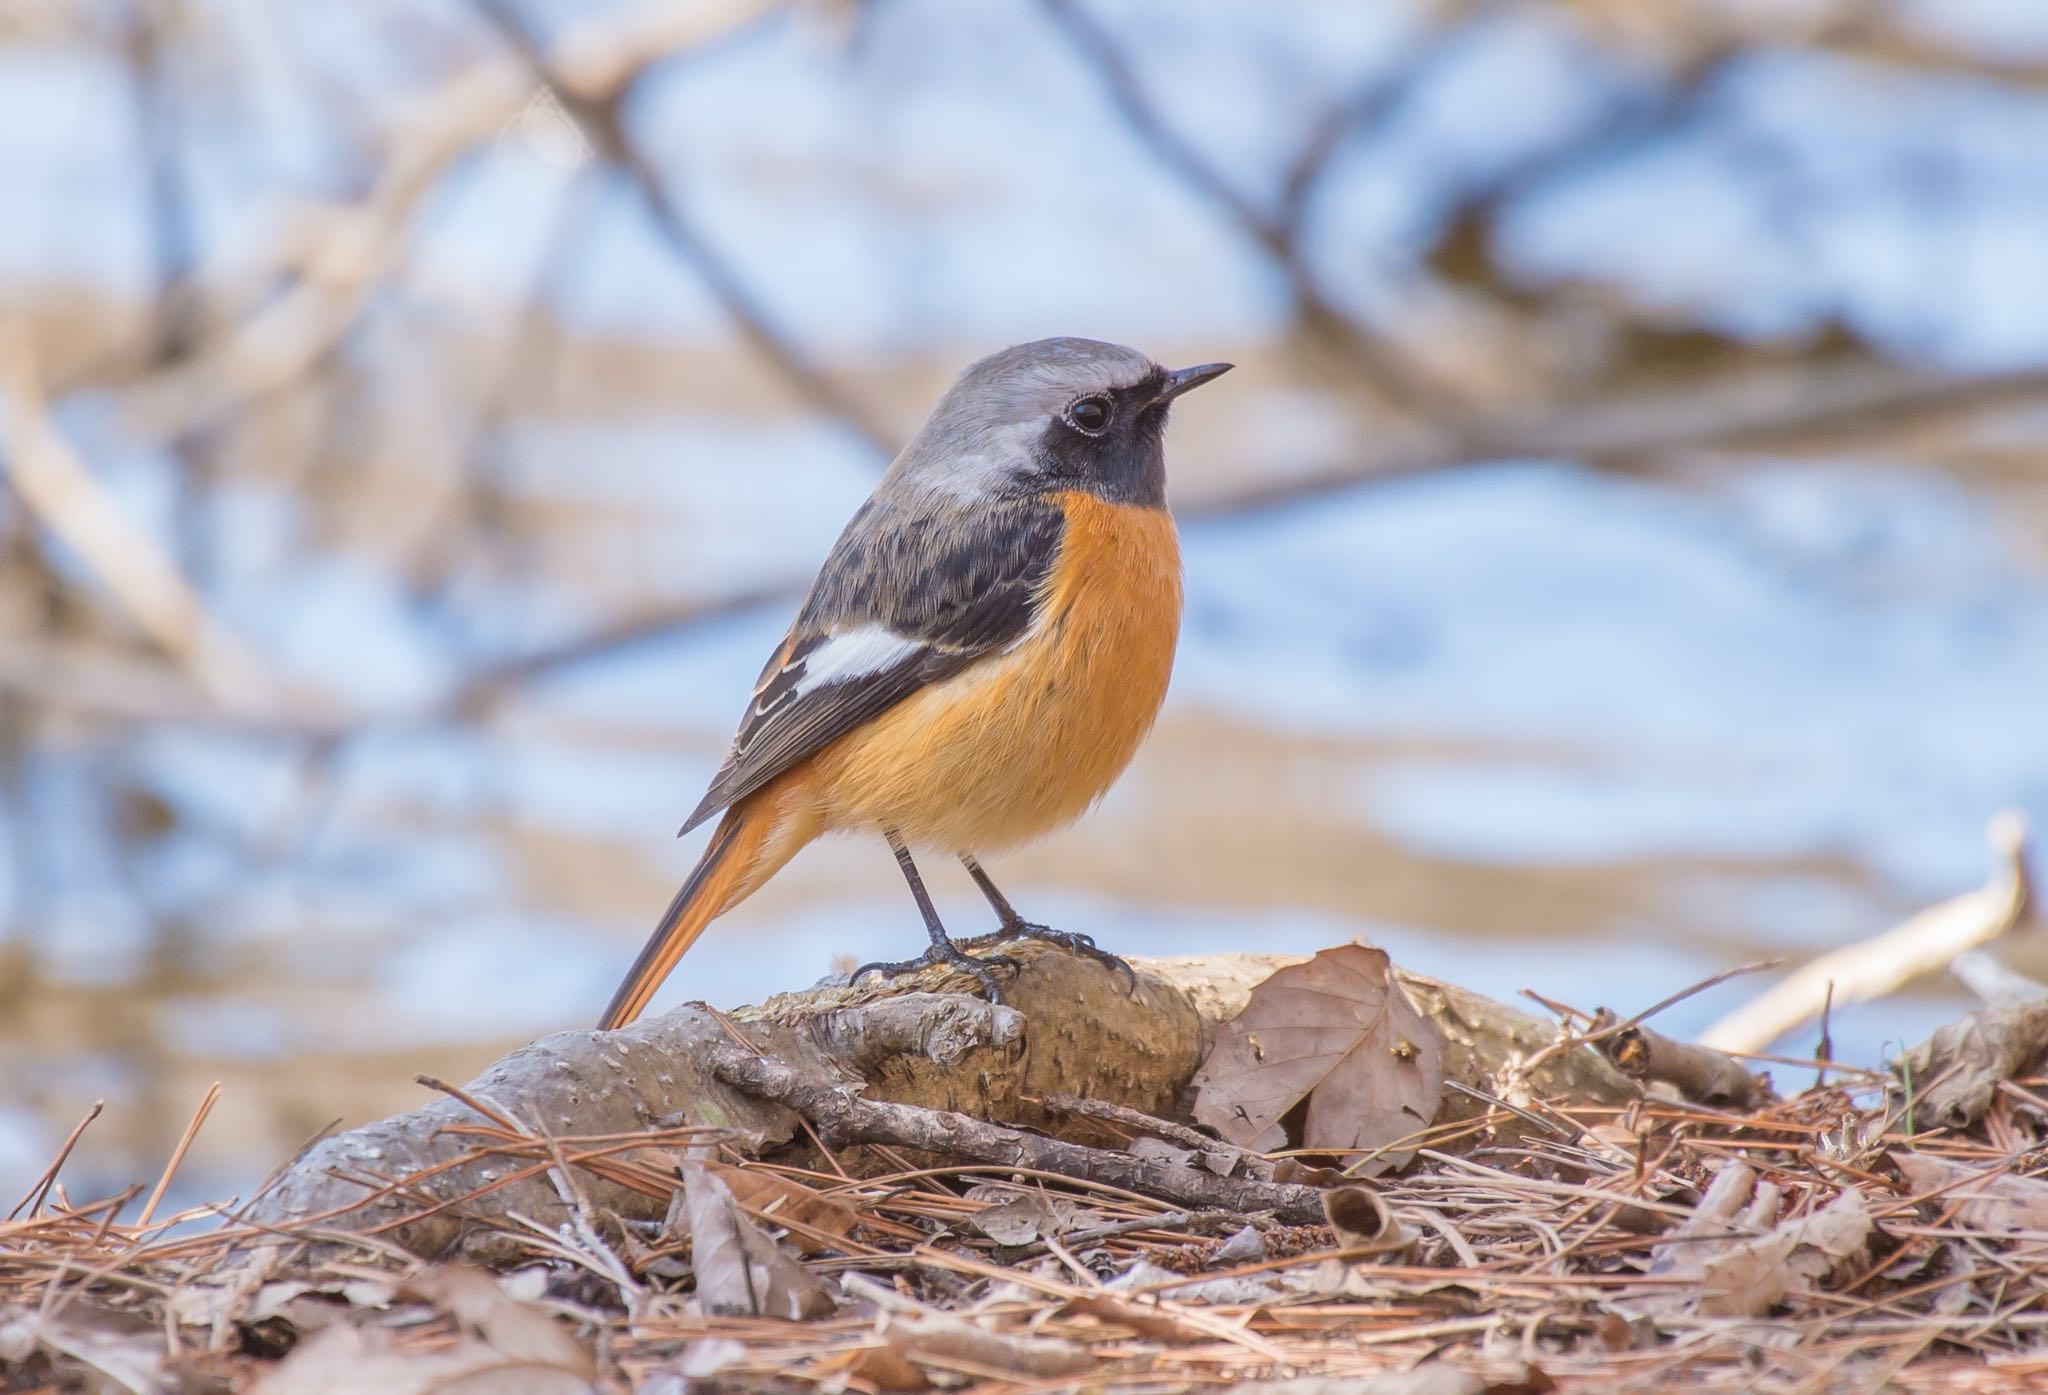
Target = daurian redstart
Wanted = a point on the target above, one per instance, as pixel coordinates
(980, 656)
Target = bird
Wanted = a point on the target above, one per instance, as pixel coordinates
(979, 658)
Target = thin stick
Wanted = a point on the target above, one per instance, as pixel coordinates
(1598, 1034)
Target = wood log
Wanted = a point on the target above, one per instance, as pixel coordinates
(1070, 1028)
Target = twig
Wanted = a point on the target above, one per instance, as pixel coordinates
(1698, 1072)
(1997, 984)
(1600, 1032)
(844, 1117)
(1110, 1112)
(1857, 399)
(1171, 1222)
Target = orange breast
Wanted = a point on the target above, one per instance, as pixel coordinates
(1026, 741)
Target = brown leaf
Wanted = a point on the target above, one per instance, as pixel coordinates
(811, 1217)
(124, 1351)
(1362, 1220)
(886, 1368)
(1023, 1219)
(1983, 1200)
(350, 1360)
(1950, 1079)
(942, 1340)
(740, 1271)
(1338, 1032)
(1737, 1273)
(516, 1331)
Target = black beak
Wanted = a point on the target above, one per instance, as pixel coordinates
(1184, 379)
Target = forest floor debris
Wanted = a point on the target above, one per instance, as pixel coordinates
(1814, 1243)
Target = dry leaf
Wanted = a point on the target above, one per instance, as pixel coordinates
(740, 1271)
(788, 1203)
(1747, 1275)
(1949, 1080)
(516, 1331)
(352, 1360)
(940, 1340)
(1247, 1246)
(124, 1351)
(1363, 1221)
(697, 1364)
(886, 1368)
(1982, 1200)
(1338, 1032)
(1023, 1219)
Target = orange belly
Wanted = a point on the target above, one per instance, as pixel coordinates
(1025, 741)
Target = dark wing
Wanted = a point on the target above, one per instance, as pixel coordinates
(903, 601)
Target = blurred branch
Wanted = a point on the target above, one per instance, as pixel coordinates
(1852, 399)
(56, 486)
(1929, 55)
(1846, 401)
(1367, 111)
(339, 275)
(1278, 234)
(480, 689)
(287, 338)
(598, 112)
(1925, 944)
(88, 680)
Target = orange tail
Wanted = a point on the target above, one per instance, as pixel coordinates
(750, 846)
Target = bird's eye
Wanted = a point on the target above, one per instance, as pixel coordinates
(1090, 414)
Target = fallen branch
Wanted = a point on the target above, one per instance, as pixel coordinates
(1698, 1072)
(1926, 944)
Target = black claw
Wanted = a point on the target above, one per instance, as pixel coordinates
(983, 967)
(1069, 940)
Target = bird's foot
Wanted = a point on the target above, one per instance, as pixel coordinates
(983, 967)
(1069, 940)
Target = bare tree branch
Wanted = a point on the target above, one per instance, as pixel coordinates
(600, 116)
(60, 490)
(1398, 376)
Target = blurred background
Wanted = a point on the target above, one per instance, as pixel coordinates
(1622, 552)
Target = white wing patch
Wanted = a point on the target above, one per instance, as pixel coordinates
(854, 654)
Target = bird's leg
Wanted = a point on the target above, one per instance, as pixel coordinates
(943, 950)
(1016, 927)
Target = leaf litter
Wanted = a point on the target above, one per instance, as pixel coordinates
(1809, 1244)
